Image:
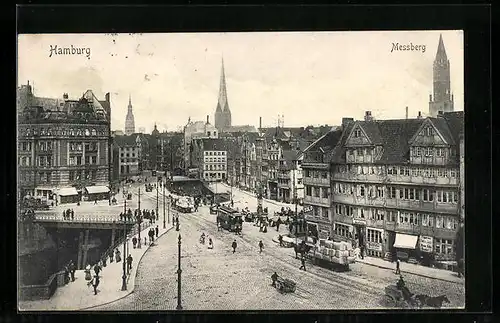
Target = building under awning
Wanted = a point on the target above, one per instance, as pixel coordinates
(405, 241)
(67, 191)
(97, 189)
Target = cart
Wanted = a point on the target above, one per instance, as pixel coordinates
(285, 285)
(394, 298)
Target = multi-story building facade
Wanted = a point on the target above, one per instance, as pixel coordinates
(290, 186)
(63, 145)
(317, 181)
(395, 186)
(209, 155)
(129, 155)
(196, 130)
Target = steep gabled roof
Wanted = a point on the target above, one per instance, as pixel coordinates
(125, 141)
(213, 144)
(396, 135)
(442, 126)
(455, 121)
(372, 131)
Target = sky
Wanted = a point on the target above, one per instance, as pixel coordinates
(310, 78)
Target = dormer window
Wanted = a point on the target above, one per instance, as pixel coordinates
(428, 131)
(357, 133)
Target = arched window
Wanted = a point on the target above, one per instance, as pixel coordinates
(87, 132)
(72, 131)
(94, 132)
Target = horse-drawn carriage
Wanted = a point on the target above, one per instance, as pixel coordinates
(399, 296)
(284, 285)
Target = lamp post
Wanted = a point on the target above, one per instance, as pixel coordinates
(164, 226)
(157, 182)
(139, 218)
(179, 271)
(124, 276)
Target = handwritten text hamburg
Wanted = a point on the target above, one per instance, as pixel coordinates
(69, 51)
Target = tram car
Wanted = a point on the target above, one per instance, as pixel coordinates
(229, 219)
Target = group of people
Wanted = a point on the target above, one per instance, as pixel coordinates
(152, 233)
(69, 214)
(210, 242)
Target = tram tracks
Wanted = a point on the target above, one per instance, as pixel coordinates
(335, 280)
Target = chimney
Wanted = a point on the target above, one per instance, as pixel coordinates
(406, 112)
(107, 97)
(65, 96)
(368, 116)
(260, 123)
(419, 115)
(208, 119)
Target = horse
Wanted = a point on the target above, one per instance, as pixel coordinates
(302, 249)
(436, 302)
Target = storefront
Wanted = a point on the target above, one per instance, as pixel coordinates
(426, 245)
(324, 231)
(374, 242)
(68, 195)
(93, 193)
(404, 246)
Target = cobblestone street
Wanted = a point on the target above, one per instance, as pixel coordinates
(220, 280)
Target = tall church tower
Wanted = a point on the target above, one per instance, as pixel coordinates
(222, 113)
(443, 99)
(129, 119)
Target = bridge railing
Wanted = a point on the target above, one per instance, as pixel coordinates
(85, 218)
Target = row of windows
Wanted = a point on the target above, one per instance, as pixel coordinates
(215, 175)
(428, 151)
(213, 160)
(41, 178)
(319, 211)
(127, 155)
(215, 153)
(373, 236)
(77, 160)
(444, 246)
(397, 170)
(324, 192)
(214, 167)
(359, 152)
(64, 132)
(316, 174)
(342, 230)
(82, 175)
(128, 160)
(407, 218)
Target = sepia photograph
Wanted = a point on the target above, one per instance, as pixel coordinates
(241, 171)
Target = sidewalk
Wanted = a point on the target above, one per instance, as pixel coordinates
(78, 296)
(418, 270)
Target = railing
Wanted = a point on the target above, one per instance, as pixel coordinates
(45, 291)
(87, 218)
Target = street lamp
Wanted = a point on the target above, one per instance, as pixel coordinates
(164, 227)
(157, 182)
(139, 219)
(179, 271)
(124, 276)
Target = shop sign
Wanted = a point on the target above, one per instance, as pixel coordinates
(307, 209)
(359, 221)
(374, 246)
(426, 243)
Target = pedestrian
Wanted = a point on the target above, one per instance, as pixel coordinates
(234, 245)
(64, 215)
(134, 241)
(95, 202)
(117, 255)
(111, 254)
(156, 231)
(278, 224)
(72, 269)
(97, 269)
(362, 251)
(303, 262)
(145, 241)
(280, 239)
(398, 271)
(66, 274)
(72, 214)
(261, 245)
(274, 278)
(129, 262)
(210, 243)
(95, 282)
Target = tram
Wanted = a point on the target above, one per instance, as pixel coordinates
(229, 219)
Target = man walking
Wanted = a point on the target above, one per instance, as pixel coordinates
(134, 242)
(129, 262)
(234, 245)
(72, 269)
(95, 282)
(261, 246)
(398, 271)
(97, 269)
(156, 231)
(280, 239)
(303, 262)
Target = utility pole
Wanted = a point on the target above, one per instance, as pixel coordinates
(157, 182)
(124, 276)
(179, 271)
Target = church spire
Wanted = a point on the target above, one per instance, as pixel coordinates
(441, 51)
(222, 112)
(129, 119)
(222, 89)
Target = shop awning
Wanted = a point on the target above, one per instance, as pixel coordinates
(405, 241)
(67, 191)
(97, 189)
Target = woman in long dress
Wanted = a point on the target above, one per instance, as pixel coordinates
(118, 255)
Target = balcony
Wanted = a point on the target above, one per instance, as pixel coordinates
(325, 202)
(360, 159)
(319, 181)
